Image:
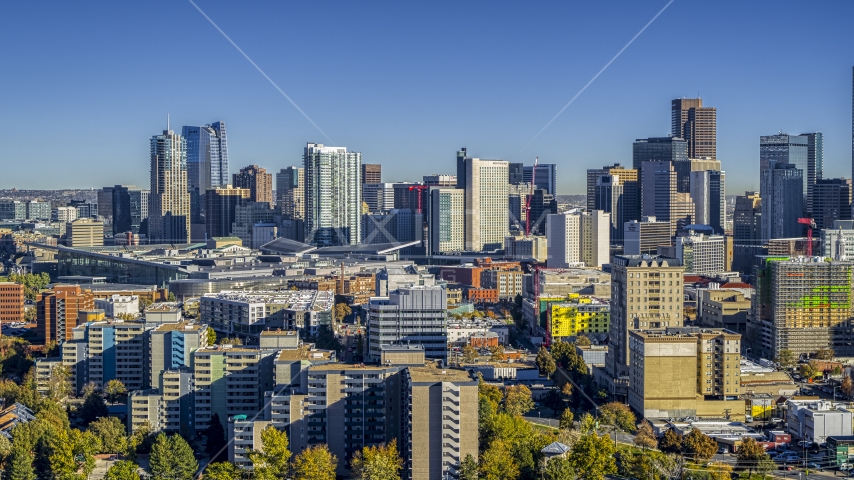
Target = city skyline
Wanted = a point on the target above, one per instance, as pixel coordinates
(400, 102)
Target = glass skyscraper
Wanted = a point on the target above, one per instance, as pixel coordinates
(333, 195)
(791, 150)
(207, 162)
(169, 200)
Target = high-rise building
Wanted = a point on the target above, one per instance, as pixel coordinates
(372, 173)
(207, 162)
(542, 205)
(378, 196)
(37, 210)
(392, 226)
(787, 149)
(546, 177)
(84, 232)
(815, 163)
(85, 209)
(486, 203)
(781, 189)
(708, 192)
(57, 311)
(616, 192)
(333, 195)
(169, 200)
(646, 294)
(105, 202)
(413, 315)
(578, 237)
(697, 125)
(746, 219)
(247, 214)
(831, 201)
(13, 210)
(515, 173)
(667, 149)
(221, 204)
(699, 251)
(130, 209)
(440, 180)
(645, 236)
(447, 220)
(517, 195)
(290, 194)
(258, 181)
(660, 197)
(170, 346)
(11, 302)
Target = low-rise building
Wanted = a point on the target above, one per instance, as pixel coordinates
(814, 421)
(119, 306)
(720, 308)
(577, 316)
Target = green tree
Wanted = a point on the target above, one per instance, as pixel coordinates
(314, 463)
(562, 352)
(490, 392)
(617, 415)
(786, 358)
(341, 311)
(558, 468)
(545, 362)
(468, 468)
(141, 440)
(124, 470)
(518, 400)
(170, 297)
(377, 463)
(644, 436)
(582, 341)
(172, 459)
(496, 353)
(671, 442)
(93, 408)
(699, 446)
(210, 334)
(144, 302)
(215, 439)
(587, 424)
(751, 455)
(110, 432)
(566, 419)
(497, 462)
(33, 282)
(20, 465)
(271, 462)
(470, 354)
(592, 457)
(114, 389)
(222, 471)
(235, 341)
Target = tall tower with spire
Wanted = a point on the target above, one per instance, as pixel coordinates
(169, 201)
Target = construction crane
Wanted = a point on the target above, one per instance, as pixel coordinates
(811, 223)
(419, 189)
(528, 201)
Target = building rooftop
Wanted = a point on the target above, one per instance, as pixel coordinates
(349, 367)
(279, 333)
(305, 300)
(186, 326)
(431, 373)
(304, 353)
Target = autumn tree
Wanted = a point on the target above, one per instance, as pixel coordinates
(123, 470)
(566, 419)
(210, 335)
(114, 389)
(644, 436)
(592, 457)
(558, 468)
(517, 400)
(490, 392)
(341, 311)
(671, 442)
(496, 353)
(468, 468)
(222, 471)
(786, 358)
(314, 463)
(235, 341)
(847, 386)
(699, 446)
(470, 354)
(582, 341)
(497, 462)
(751, 454)
(824, 354)
(382, 462)
(810, 370)
(110, 432)
(58, 386)
(618, 415)
(271, 462)
(545, 362)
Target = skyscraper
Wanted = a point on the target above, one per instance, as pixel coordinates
(372, 173)
(789, 149)
(660, 198)
(815, 163)
(130, 209)
(546, 177)
(447, 219)
(333, 195)
(831, 201)
(486, 203)
(708, 192)
(169, 200)
(578, 237)
(670, 149)
(221, 206)
(258, 181)
(207, 162)
(781, 189)
(616, 191)
(696, 124)
(290, 194)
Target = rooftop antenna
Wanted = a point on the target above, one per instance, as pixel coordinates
(167, 122)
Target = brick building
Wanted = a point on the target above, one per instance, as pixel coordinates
(11, 302)
(57, 311)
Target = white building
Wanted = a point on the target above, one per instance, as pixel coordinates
(578, 238)
(700, 253)
(378, 196)
(838, 242)
(64, 214)
(118, 305)
(645, 236)
(486, 203)
(447, 220)
(333, 195)
(414, 315)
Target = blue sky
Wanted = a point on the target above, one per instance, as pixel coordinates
(84, 85)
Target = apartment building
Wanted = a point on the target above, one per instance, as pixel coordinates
(577, 316)
(723, 308)
(103, 351)
(11, 302)
(170, 346)
(57, 311)
(412, 315)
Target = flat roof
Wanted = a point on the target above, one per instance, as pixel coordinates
(303, 353)
(166, 327)
(431, 373)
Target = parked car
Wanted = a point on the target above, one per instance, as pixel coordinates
(805, 444)
(776, 420)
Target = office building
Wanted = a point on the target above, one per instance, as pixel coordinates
(708, 192)
(130, 209)
(440, 180)
(171, 346)
(169, 200)
(105, 202)
(258, 181)
(723, 308)
(546, 177)
(699, 250)
(11, 302)
(290, 192)
(801, 304)
(37, 210)
(837, 242)
(415, 315)
(815, 163)
(64, 214)
(685, 371)
(663, 149)
(207, 163)
(646, 294)
(542, 205)
(519, 247)
(57, 311)
(333, 195)
(614, 190)
(119, 306)
(247, 214)
(84, 232)
(646, 236)
(746, 219)
(12, 210)
(378, 196)
(782, 201)
(517, 197)
(221, 207)
(447, 220)
(576, 238)
(659, 197)
(696, 124)
(831, 201)
(791, 150)
(393, 226)
(486, 202)
(372, 173)
(515, 173)
(263, 233)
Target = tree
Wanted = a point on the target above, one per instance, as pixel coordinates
(561, 351)
(172, 459)
(848, 386)
(671, 442)
(490, 392)
(230, 341)
(470, 354)
(786, 358)
(20, 465)
(592, 457)
(170, 297)
(111, 434)
(222, 471)
(93, 408)
(33, 282)
(141, 440)
(144, 302)
(699, 446)
(496, 353)
(644, 436)
(566, 390)
(314, 463)
(566, 419)
(587, 424)
(58, 387)
(558, 468)
(497, 462)
(809, 370)
(377, 463)
(517, 400)
(124, 470)
(582, 341)
(617, 415)
(215, 443)
(210, 334)
(115, 389)
(341, 311)
(824, 354)
(751, 454)
(545, 362)
(271, 462)
(468, 468)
